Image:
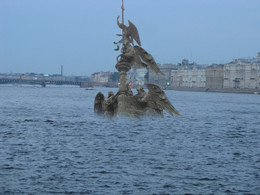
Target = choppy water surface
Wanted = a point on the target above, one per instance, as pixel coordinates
(51, 142)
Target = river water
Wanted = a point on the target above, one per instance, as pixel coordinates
(52, 143)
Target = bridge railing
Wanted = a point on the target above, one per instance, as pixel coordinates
(37, 82)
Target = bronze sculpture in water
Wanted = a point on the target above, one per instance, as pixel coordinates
(124, 102)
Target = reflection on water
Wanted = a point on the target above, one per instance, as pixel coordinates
(51, 142)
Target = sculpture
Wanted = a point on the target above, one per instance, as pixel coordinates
(124, 102)
(134, 54)
(130, 32)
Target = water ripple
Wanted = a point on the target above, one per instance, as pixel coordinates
(63, 148)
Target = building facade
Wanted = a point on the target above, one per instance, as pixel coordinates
(215, 76)
(242, 75)
(195, 78)
(137, 77)
(159, 79)
(101, 77)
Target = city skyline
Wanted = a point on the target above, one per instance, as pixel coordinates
(40, 36)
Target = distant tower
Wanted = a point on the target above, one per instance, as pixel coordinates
(61, 71)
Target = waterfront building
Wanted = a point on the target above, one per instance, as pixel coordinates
(162, 80)
(185, 65)
(101, 77)
(242, 73)
(215, 76)
(195, 78)
(248, 59)
(183, 74)
(137, 77)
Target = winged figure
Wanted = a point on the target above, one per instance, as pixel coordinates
(157, 100)
(130, 32)
(144, 59)
(104, 105)
(99, 103)
(138, 57)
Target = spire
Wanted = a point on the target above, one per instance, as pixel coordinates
(123, 9)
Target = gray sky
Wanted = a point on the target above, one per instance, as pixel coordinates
(41, 35)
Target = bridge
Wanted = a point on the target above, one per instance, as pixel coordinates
(44, 82)
(38, 82)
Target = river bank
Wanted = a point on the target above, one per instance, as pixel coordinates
(227, 90)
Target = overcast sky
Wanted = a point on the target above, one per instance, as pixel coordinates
(41, 35)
